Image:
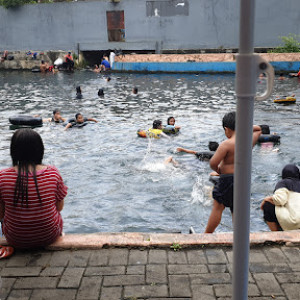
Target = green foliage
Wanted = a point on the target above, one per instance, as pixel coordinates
(290, 44)
(176, 247)
(15, 3)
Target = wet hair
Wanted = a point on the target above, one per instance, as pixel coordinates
(213, 146)
(108, 79)
(229, 120)
(77, 115)
(26, 150)
(100, 92)
(168, 121)
(156, 124)
(55, 111)
(42, 62)
(265, 129)
(78, 89)
(135, 90)
(281, 74)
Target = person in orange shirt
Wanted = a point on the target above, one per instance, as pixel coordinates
(69, 62)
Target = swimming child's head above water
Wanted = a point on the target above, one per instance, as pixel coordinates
(213, 146)
(157, 124)
(79, 118)
(171, 121)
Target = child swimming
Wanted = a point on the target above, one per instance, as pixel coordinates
(79, 121)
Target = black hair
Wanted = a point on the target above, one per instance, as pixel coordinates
(213, 146)
(265, 129)
(135, 90)
(168, 121)
(42, 62)
(108, 78)
(156, 124)
(100, 92)
(281, 74)
(78, 89)
(26, 150)
(229, 120)
(55, 111)
(77, 115)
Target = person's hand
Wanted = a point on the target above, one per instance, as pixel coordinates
(214, 173)
(179, 149)
(267, 199)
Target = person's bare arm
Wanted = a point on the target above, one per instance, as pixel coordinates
(179, 149)
(256, 134)
(92, 120)
(68, 126)
(60, 205)
(220, 154)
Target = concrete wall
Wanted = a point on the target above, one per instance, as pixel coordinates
(149, 25)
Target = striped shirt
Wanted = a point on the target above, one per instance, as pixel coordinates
(39, 223)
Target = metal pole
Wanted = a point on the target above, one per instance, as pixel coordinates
(246, 77)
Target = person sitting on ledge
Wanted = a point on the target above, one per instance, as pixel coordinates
(282, 209)
(69, 62)
(32, 194)
(105, 65)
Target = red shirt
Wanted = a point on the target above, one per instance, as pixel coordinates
(39, 224)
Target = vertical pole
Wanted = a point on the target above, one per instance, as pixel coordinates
(245, 87)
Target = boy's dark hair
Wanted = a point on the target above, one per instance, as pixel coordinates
(26, 150)
(78, 89)
(265, 129)
(55, 111)
(100, 92)
(229, 120)
(168, 121)
(156, 124)
(135, 90)
(42, 62)
(213, 146)
(77, 115)
(108, 78)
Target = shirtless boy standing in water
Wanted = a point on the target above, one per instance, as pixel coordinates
(223, 163)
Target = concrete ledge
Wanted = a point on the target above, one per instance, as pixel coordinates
(134, 239)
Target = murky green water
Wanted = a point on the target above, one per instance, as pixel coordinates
(117, 181)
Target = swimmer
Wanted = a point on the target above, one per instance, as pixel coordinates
(56, 118)
(100, 93)
(78, 92)
(44, 66)
(79, 119)
(108, 79)
(135, 90)
(156, 130)
(171, 122)
(203, 156)
(96, 69)
(281, 76)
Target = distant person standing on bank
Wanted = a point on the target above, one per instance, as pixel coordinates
(112, 59)
(105, 65)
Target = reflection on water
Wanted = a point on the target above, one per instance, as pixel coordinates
(117, 181)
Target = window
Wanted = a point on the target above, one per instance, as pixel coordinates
(115, 26)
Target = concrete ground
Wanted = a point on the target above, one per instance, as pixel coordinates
(176, 270)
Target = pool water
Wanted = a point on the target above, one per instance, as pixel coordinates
(117, 181)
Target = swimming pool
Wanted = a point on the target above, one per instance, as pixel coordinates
(117, 181)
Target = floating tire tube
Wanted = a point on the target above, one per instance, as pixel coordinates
(265, 138)
(141, 133)
(78, 125)
(205, 155)
(169, 129)
(214, 179)
(26, 121)
(35, 70)
(285, 100)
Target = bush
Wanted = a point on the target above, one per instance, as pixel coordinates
(15, 3)
(291, 44)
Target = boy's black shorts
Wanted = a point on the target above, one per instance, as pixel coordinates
(223, 191)
(269, 212)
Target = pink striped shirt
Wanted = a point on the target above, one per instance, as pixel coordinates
(40, 223)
